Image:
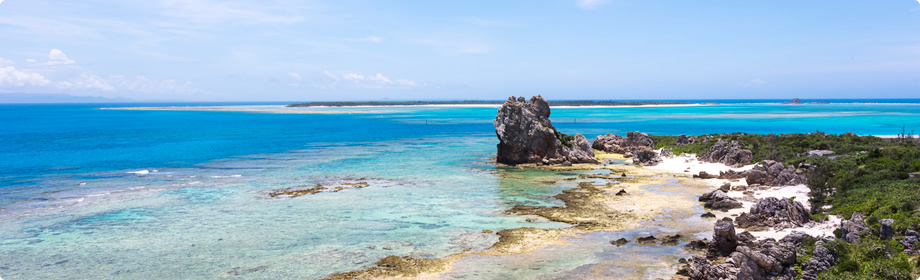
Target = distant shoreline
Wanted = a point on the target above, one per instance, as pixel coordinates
(573, 103)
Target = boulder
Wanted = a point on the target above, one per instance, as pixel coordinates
(822, 259)
(886, 232)
(526, 135)
(617, 144)
(854, 227)
(684, 140)
(724, 239)
(719, 200)
(727, 153)
(666, 152)
(702, 269)
(645, 156)
(774, 213)
(795, 101)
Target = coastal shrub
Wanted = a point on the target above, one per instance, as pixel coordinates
(870, 259)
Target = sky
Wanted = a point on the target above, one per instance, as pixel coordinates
(277, 50)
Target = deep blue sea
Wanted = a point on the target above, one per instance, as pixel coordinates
(91, 190)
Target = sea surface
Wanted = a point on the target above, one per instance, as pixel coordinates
(92, 192)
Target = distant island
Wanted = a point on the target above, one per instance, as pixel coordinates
(484, 102)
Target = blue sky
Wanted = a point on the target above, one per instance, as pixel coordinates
(270, 50)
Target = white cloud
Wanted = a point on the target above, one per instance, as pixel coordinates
(147, 85)
(375, 39)
(294, 76)
(591, 4)
(377, 81)
(58, 57)
(11, 77)
(85, 81)
(753, 83)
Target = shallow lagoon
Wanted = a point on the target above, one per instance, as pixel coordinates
(73, 210)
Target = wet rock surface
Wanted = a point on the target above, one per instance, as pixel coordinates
(334, 185)
(718, 200)
(727, 153)
(526, 135)
(774, 213)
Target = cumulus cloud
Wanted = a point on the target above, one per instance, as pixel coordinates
(753, 83)
(377, 81)
(61, 73)
(591, 4)
(11, 77)
(57, 57)
(294, 76)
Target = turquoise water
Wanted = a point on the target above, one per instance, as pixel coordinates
(73, 209)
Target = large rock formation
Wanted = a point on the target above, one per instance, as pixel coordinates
(727, 153)
(852, 229)
(774, 213)
(526, 135)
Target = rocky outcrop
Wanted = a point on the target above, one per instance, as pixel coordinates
(911, 242)
(822, 259)
(724, 239)
(774, 173)
(774, 213)
(684, 140)
(619, 145)
(854, 227)
(718, 200)
(727, 153)
(636, 144)
(645, 156)
(526, 135)
(747, 259)
(886, 231)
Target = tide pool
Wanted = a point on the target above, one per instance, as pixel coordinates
(77, 207)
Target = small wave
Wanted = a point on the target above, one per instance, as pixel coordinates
(140, 173)
(230, 176)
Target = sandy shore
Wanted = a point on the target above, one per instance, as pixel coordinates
(688, 164)
(256, 109)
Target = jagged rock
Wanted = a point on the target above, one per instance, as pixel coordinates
(886, 232)
(724, 239)
(719, 200)
(647, 240)
(621, 192)
(645, 156)
(849, 134)
(773, 173)
(795, 101)
(822, 259)
(911, 242)
(684, 140)
(697, 245)
(726, 187)
(708, 215)
(728, 154)
(776, 213)
(702, 269)
(666, 152)
(670, 240)
(854, 227)
(617, 144)
(526, 135)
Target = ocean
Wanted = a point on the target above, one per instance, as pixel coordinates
(92, 192)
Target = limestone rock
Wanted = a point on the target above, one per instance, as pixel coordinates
(719, 200)
(526, 135)
(702, 269)
(728, 154)
(724, 239)
(886, 232)
(645, 156)
(773, 173)
(617, 144)
(684, 140)
(821, 260)
(854, 227)
(774, 213)
(911, 242)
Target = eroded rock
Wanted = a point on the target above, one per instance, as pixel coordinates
(719, 200)
(727, 153)
(774, 213)
(526, 135)
(854, 227)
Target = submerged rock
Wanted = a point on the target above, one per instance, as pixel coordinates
(774, 213)
(526, 135)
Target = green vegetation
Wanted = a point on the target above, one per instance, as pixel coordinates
(868, 175)
(481, 102)
(567, 140)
